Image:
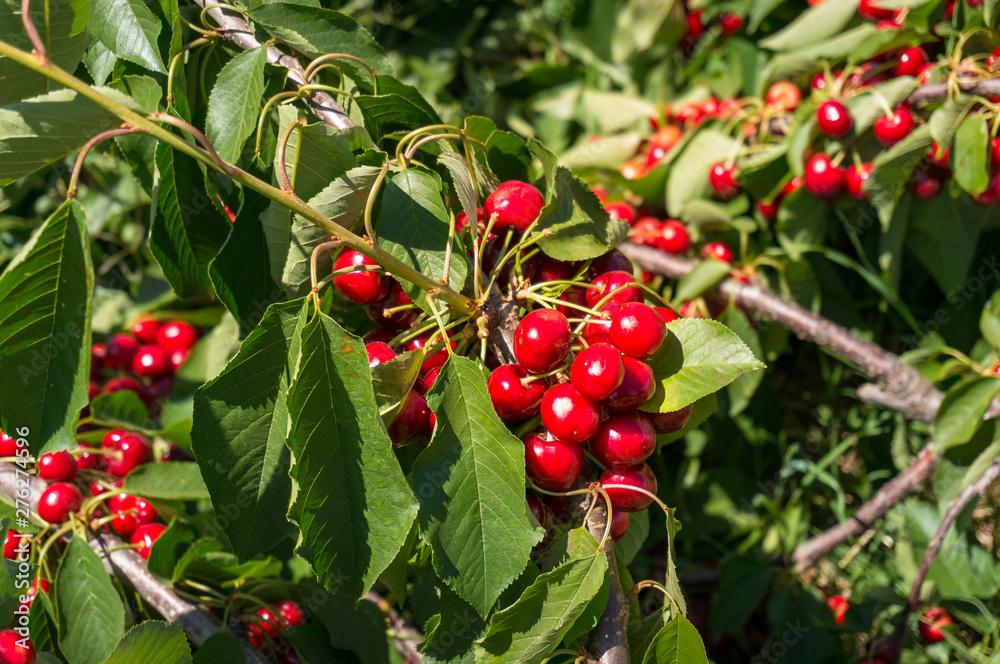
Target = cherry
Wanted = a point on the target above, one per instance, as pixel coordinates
(8, 446)
(287, 654)
(516, 205)
(126, 451)
(178, 357)
(637, 330)
(717, 250)
(645, 231)
(931, 622)
(57, 467)
(791, 186)
(16, 649)
(994, 150)
(613, 261)
(290, 613)
(784, 95)
(58, 501)
(541, 340)
(891, 129)
(991, 196)
(434, 360)
(834, 119)
(549, 269)
(379, 353)
(145, 329)
(512, 399)
(668, 315)
(151, 362)
(494, 251)
(397, 320)
(636, 389)
(12, 543)
(839, 608)
(145, 536)
(32, 592)
(926, 184)
(616, 283)
(672, 421)
(552, 464)
(412, 421)
(462, 219)
(855, 180)
(722, 179)
(674, 237)
(911, 60)
(130, 513)
(86, 460)
(626, 500)
(598, 329)
(619, 525)
(822, 178)
(597, 371)
(123, 384)
(176, 334)
(625, 439)
(623, 211)
(868, 10)
(568, 415)
(694, 24)
(120, 351)
(730, 23)
(537, 509)
(360, 286)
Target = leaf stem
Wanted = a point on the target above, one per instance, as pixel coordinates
(111, 133)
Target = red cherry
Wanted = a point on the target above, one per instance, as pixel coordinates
(991, 196)
(8, 446)
(822, 178)
(855, 180)
(613, 261)
(723, 181)
(32, 592)
(462, 219)
(434, 360)
(598, 330)
(178, 357)
(568, 415)
(911, 60)
(626, 500)
(995, 151)
(623, 211)
(869, 10)
(145, 536)
(126, 451)
(549, 269)
(615, 284)
(516, 205)
(16, 649)
(120, 351)
(834, 119)
(151, 362)
(637, 387)
(541, 340)
(730, 23)
(413, 420)
(287, 654)
(551, 464)
(537, 509)
(425, 384)
(176, 334)
(931, 622)
(769, 210)
(57, 467)
(619, 525)
(839, 608)
(86, 460)
(145, 329)
(512, 399)
(791, 186)
(674, 237)
(379, 334)
(926, 184)
(379, 353)
(783, 95)
(359, 285)
(623, 440)
(891, 129)
(574, 295)
(130, 513)
(645, 231)
(667, 315)
(289, 613)
(672, 421)
(12, 545)
(597, 371)
(694, 24)
(717, 250)
(397, 320)
(123, 383)
(58, 501)
(637, 330)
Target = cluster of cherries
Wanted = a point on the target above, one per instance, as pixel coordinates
(268, 625)
(143, 361)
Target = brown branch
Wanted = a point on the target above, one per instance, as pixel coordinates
(29, 27)
(982, 87)
(407, 647)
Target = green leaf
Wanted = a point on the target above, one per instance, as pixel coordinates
(892, 171)
(393, 381)
(961, 412)
(464, 186)
(355, 626)
(91, 615)
(678, 642)
(392, 113)
(153, 641)
(234, 103)
(507, 155)
(352, 504)
(969, 156)
(238, 437)
(989, 321)
(123, 409)
(198, 549)
(947, 251)
(45, 308)
(220, 647)
(945, 121)
(470, 482)
(867, 107)
(635, 537)
(129, 30)
(743, 388)
(42, 625)
(743, 582)
(811, 27)
(413, 226)
(187, 231)
(705, 276)
(698, 357)
(178, 480)
(578, 225)
(162, 561)
(991, 12)
(530, 629)
(688, 178)
(453, 640)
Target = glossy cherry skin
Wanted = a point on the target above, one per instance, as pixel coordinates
(16, 649)
(145, 536)
(668, 315)
(672, 421)
(822, 178)
(623, 211)
(991, 196)
(625, 439)
(541, 340)
(870, 10)
(730, 23)
(145, 329)
(613, 261)
(834, 119)
(121, 349)
(891, 129)
(615, 284)
(176, 334)
(911, 60)
(435, 359)
(552, 464)
(855, 179)
(549, 269)
(568, 415)
(931, 622)
(838, 607)
(619, 525)
(426, 382)
(783, 95)
(723, 181)
(58, 501)
(638, 387)
(123, 383)
(926, 184)
(674, 237)
(598, 330)
(359, 286)
(399, 320)
(379, 353)
(86, 460)
(32, 592)
(12, 542)
(637, 330)
(516, 205)
(290, 613)
(130, 513)
(412, 422)
(127, 451)
(57, 467)
(8, 446)
(720, 251)
(597, 371)
(994, 152)
(151, 362)
(573, 295)
(512, 399)
(625, 500)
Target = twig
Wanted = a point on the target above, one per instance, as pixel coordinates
(85, 150)
(409, 638)
(982, 87)
(29, 27)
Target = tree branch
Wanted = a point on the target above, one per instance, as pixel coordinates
(407, 647)
(982, 87)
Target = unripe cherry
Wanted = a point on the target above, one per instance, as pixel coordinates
(58, 501)
(512, 399)
(552, 464)
(360, 286)
(568, 415)
(626, 500)
(625, 439)
(672, 421)
(638, 387)
(57, 467)
(541, 340)
(516, 205)
(597, 371)
(617, 283)
(637, 330)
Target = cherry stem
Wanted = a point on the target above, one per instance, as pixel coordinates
(264, 114)
(286, 184)
(29, 27)
(370, 204)
(443, 331)
(173, 68)
(607, 524)
(88, 146)
(649, 583)
(205, 589)
(499, 265)
(314, 66)
(314, 259)
(550, 300)
(642, 491)
(528, 380)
